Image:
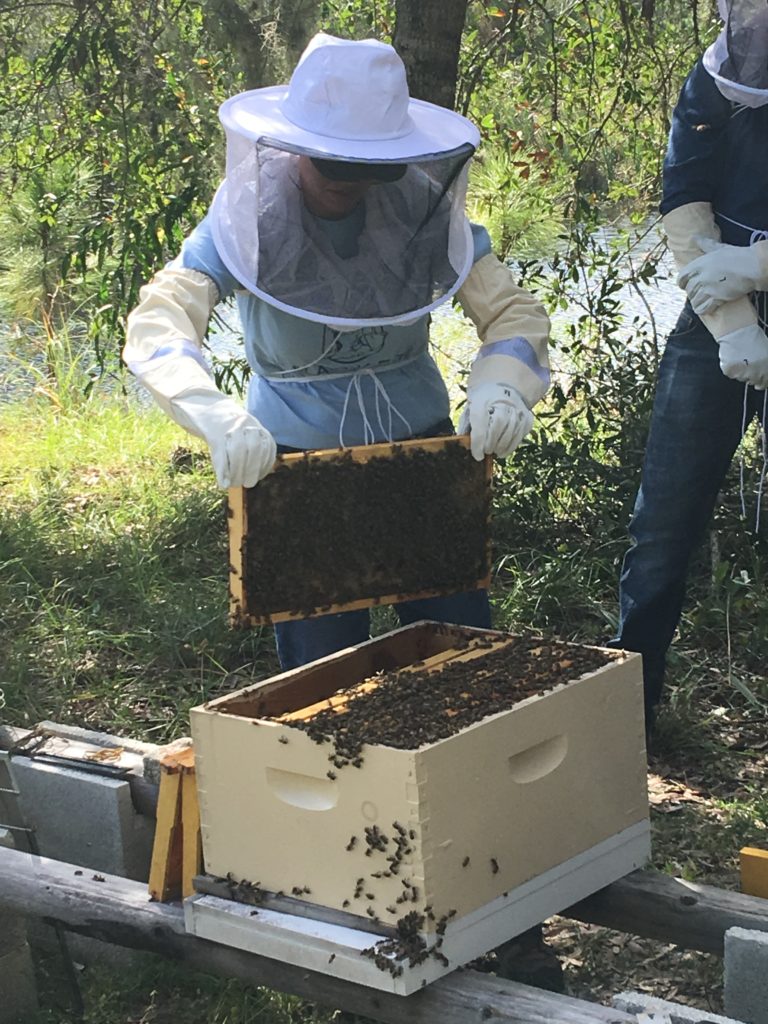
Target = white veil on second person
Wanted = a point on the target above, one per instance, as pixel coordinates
(738, 58)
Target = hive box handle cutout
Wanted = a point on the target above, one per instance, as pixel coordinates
(305, 791)
(538, 760)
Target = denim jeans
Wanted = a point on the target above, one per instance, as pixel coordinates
(696, 425)
(302, 640)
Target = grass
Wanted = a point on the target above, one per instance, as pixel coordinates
(105, 519)
(154, 991)
(113, 590)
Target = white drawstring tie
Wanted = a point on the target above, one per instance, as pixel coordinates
(369, 434)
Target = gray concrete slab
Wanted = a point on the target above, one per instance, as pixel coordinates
(746, 975)
(658, 1010)
(84, 818)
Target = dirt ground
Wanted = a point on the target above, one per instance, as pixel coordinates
(707, 796)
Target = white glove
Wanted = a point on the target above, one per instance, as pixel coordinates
(496, 418)
(242, 450)
(163, 350)
(744, 355)
(724, 273)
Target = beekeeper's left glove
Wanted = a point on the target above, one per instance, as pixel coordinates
(723, 273)
(496, 418)
(744, 356)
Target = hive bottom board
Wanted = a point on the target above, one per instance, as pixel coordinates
(336, 950)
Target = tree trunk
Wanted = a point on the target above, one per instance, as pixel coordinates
(427, 36)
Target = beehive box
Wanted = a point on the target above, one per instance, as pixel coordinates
(482, 832)
(335, 530)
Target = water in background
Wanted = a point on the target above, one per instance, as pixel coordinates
(650, 307)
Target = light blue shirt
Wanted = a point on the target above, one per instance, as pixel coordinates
(313, 386)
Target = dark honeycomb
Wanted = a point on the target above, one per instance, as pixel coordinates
(408, 709)
(332, 531)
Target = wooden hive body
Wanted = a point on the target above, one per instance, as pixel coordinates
(491, 828)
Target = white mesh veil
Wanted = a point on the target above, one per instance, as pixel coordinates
(738, 58)
(413, 250)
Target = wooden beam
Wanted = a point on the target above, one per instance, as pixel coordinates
(118, 910)
(658, 906)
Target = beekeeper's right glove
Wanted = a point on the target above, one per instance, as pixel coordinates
(163, 350)
(744, 355)
(242, 450)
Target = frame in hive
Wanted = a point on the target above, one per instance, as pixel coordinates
(335, 530)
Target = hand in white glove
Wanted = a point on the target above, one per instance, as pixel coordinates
(496, 418)
(744, 355)
(242, 450)
(724, 273)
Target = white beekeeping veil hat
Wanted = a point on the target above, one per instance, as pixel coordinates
(738, 58)
(348, 109)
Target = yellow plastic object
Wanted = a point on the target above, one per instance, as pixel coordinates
(753, 866)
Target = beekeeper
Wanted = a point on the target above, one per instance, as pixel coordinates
(714, 371)
(340, 226)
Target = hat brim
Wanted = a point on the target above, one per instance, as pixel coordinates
(257, 114)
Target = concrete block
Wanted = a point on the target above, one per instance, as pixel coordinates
(10, 809)
(650, 1009)
(746, 975)
(76, 734)
(84, 818)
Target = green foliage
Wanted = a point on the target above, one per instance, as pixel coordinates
(509, 197)
(110, 146)
(37, 230)
(578, 107)
(564, 500)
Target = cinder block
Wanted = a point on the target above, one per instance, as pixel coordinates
(84, 818)
(10, 808)
(650, 1009)
(746, 975)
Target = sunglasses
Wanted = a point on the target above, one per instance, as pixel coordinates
(345, 170)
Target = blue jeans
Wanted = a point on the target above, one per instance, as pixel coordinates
(303, 640)
(696, 425)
